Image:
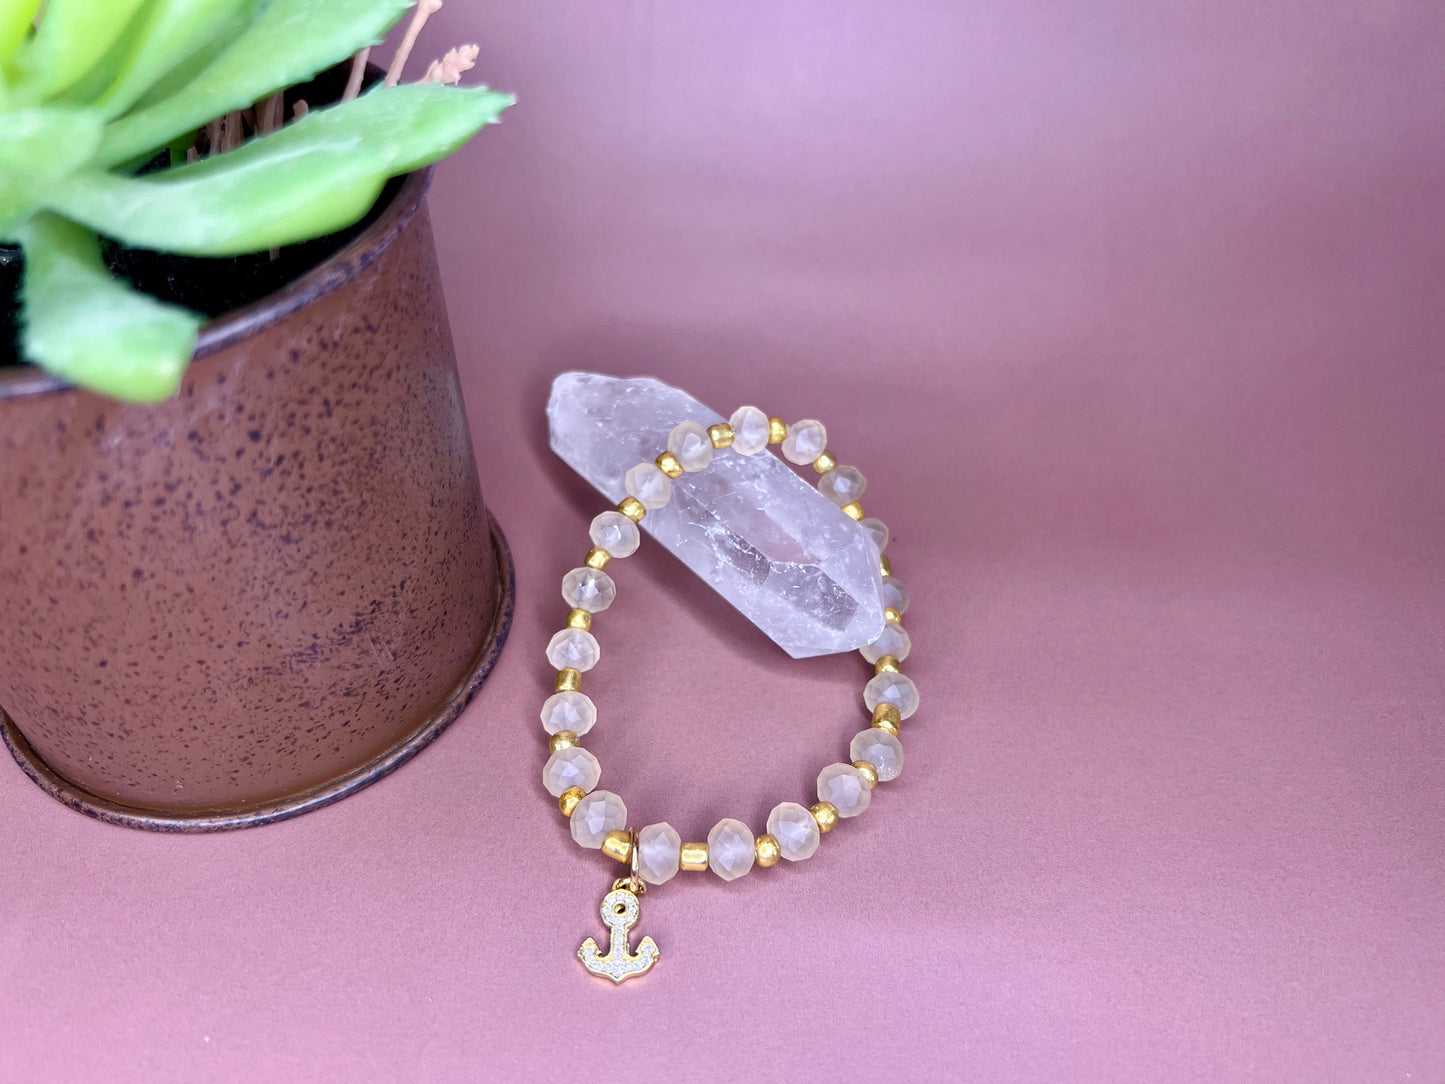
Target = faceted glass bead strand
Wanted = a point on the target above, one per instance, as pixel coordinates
(588, 589)
(569, 711)
(649, 484)
(691, 446)
(750, 430)
(575, 649)
(795, 829)
(570, 767)
(659, 850)
(571, 773)
(614, 533)
(844, 790)
(598, 818)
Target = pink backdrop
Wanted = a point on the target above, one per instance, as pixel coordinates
(1131, 314)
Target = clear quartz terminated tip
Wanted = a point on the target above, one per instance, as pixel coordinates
(765, 539)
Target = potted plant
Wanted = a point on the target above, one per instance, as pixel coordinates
(245, 567)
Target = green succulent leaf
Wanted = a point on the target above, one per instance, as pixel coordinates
(73, 36)
(16, 17)
(37, 146)
(288, 42)
(102, 73)
(91, 89)
(48, 141)
(316, 175)
(171, 33)
(87, 327)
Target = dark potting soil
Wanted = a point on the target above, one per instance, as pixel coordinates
(216, 286)
(10, 265)
(208, 286)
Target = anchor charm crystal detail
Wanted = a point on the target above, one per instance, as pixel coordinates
(620, 910)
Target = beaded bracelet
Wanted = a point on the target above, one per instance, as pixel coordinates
(657, 852)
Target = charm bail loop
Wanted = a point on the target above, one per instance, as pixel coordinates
(635, 882)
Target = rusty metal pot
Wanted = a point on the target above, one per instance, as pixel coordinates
(268, 592)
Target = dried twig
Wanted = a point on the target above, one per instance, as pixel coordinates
(224, 132)
(270, 112)
(449, 68)
(358, 72)
(235, 130)
(423, 10)
(228, 131)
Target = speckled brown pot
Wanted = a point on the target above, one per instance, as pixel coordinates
(270, 591)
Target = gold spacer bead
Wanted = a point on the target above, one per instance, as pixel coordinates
(597, 557)
(632, 508)
(886, 717)
(890, 614)
(767, 850)
(579, 619)
(825, 462)
(563, 739)
(777, 430)
(826, 814)
(886, 664)
(720, 434)
(693, 856)
(569, 799)
(854, 509)
(668, 464)
(884, 563)
(870, 773)
(618, 844)
(569, 680)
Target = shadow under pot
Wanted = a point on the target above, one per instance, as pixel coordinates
(266, 593)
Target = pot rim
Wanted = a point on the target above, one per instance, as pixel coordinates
(330, 274)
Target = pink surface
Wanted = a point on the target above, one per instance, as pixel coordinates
(1131, 316)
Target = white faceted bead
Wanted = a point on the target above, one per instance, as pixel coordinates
(615, 533)
(571, 710)
(596, 815)
(750, 430)
(842, 485)
(691, 444)
(795, 829)
(659, 852)
(730, 849)
(878, 531)
(649, 485)
(588, 589)
(879, 748)
(575, 648)
(574, 767)
(895, 689)
(846, 787)
(893, 593)
(805, 442)
(893, 640)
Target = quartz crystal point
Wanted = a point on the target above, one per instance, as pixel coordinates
(793, 562)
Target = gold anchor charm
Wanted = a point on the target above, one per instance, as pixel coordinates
(620, 910)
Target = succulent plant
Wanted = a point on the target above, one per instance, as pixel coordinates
(94, 91)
